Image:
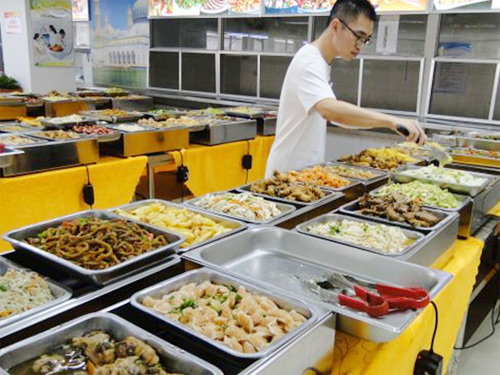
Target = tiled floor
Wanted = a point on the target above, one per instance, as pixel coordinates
(483, 359)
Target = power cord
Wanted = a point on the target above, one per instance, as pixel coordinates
(428, 361)
(88, 190)
(246, 162)
(494, 321)
(182, 175)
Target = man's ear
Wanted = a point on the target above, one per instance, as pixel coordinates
(335, 25)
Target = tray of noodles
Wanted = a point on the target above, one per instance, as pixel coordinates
(96, 246)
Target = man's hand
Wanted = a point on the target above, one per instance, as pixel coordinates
(415, 131)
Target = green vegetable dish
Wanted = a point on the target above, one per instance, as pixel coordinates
(428, 194)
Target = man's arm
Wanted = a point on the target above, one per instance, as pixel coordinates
(351, 115)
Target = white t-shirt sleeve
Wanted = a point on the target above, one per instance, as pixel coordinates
(312, 87)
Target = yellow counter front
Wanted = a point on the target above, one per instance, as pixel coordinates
(354, 356)
(33, 198)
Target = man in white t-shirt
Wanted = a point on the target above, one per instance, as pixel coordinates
(307, 101)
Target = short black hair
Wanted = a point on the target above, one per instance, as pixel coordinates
(349, 10)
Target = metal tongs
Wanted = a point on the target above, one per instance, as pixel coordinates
(435, 149)
(375, 300)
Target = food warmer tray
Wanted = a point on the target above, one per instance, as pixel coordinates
(200, 275)
(162, 117)
(293, 357)
(468, 139)
(433, 244)
(59, 293)
(25, 128)
(149, 141)
(99, 277)
(48, 155)
(237, 226)
(10, 100)
(68, 125)
(220, 132)
(454, 187)
(464, 210)
(417, 236)
(279, 258)
(254, 116)
(177, 360)
(478, 160)
(286, 209)
(351, 191)
(138, 104)
(266, 125)
(7, 157)
(329, 195)
(372, 183)
(353, 209)
(131, 117)
(86, 296)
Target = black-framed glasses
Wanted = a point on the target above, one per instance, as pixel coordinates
(363, 40)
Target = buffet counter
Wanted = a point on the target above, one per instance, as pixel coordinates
(59, 192)
(355, 356)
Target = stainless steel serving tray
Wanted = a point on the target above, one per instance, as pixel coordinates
(353, 209)
(198, 276)
(285, 209)
(455, 187)
(7, 157)
(329, 195)
(479, 160)
(131, 116)
(100, 277)
(380, 174)
(147, 141)
(25, 128)
(266, 125)
(231, 112)
(464, 209)
(175, 359)
(81, 137)
(164, 116)
(275, 257)
(69, 124)
(302, 228)
(59, 293)
(236, 225)
(220, 132)
(468, 139)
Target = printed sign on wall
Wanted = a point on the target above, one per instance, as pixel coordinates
(52, 33)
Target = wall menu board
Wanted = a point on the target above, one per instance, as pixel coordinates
(173, 8)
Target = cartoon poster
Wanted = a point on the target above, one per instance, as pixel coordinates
(120, 42)
(323, 7)
(172, 8)
(80, 10)
(52, 33)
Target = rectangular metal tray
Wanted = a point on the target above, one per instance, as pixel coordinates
(380, 174)
(275, 257)
(221, 132)
(47, 155)
(464, 210)
(455, 187)
(285, 209)
(80, 137)
(266, 125)
(131, 117)
(59, 293)
(69, 124)
(177, 360)
(7, 157)
(302, 228)
(229, 112)
(353, 209)
(329, 195)
(149, 141)
(478, 160)
(198, 276)
(24, 127)
(100, 277)
(468, 139)
(236, 225)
